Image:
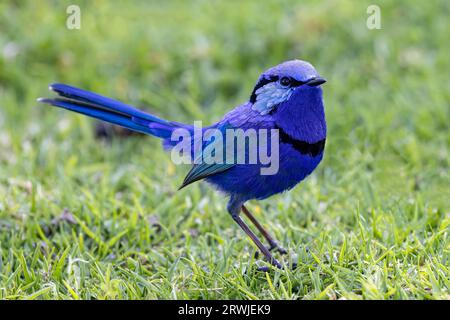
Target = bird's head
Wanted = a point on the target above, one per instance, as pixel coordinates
(279, 84)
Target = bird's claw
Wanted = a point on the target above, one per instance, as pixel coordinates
(275, 246)
(276, 264)
(263, 269)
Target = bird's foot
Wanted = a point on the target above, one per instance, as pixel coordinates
(263, 269)
(274, 263)
(279, 266)
(274, 246)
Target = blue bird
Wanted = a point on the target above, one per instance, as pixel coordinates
(287, 97)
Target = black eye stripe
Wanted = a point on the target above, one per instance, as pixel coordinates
(296, 83)
(285, 81)
(290, 82)
(266, 80)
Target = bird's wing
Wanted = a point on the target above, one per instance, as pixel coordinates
(242, 117)
(201, 171)
(206, 166)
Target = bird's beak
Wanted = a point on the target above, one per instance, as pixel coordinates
(316, 81)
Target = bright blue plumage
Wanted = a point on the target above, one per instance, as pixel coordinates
(287, 97)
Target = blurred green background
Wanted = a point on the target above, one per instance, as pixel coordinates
(82, 218)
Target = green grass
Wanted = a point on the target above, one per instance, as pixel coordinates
(82, 219)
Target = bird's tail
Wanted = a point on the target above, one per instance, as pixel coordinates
(106, 109)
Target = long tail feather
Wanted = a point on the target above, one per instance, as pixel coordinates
(107, 109)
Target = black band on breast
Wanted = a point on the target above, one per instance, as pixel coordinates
(312, 149)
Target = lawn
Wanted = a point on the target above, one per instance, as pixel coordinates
(82, 218)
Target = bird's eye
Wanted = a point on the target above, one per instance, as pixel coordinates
(285, 81)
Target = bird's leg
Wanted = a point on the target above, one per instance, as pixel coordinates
(234, 209)
(272, 242)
